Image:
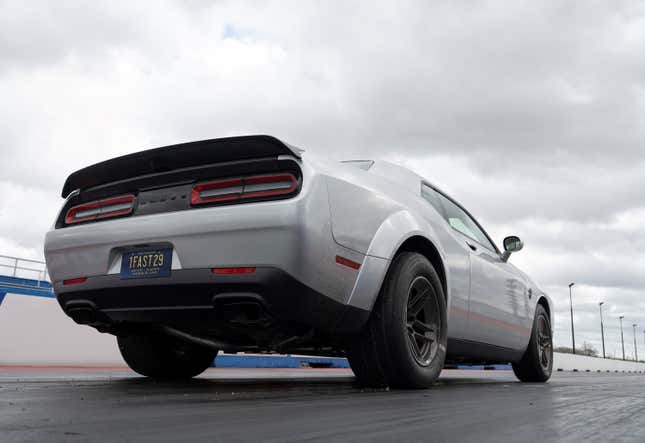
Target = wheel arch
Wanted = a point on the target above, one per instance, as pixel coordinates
(422, 245)
(401, 231)
(546, 304)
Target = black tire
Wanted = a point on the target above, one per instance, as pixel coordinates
(160, 358)
(392, 350)
(536, 364)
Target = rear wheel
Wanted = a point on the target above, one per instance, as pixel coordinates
(537, 362)
(158, 357)
(404, 342)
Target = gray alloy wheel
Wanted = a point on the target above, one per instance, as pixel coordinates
(544, 343)
(422, 321)
(536, 364)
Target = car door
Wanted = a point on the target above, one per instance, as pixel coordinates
(498, 308)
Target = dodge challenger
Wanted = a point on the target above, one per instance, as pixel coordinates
(251, 244)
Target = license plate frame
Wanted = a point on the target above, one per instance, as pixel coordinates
(146, 263)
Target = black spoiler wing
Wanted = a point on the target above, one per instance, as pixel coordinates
(184, 155)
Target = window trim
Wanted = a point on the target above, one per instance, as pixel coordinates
(452, 200)
(440, 209)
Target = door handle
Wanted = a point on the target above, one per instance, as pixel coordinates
(471, 246)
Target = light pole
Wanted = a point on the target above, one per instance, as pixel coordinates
(602, 329)
(573, 336)
(635, 348)
(622, 339)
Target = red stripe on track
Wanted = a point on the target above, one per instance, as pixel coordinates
(64, 368)
(125, 368)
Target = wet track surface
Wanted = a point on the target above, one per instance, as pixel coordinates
(58, 404)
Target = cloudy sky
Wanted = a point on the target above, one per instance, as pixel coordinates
(530, 113)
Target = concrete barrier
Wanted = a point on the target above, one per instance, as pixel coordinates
(581, 363)
(35, 331)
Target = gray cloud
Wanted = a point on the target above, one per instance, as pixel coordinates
(37, 34)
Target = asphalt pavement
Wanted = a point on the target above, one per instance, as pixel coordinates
(278, 405)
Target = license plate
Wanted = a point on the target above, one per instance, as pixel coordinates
(148, 263)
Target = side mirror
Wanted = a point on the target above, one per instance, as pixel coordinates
(511, 244)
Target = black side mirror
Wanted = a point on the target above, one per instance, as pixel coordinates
(511, 244)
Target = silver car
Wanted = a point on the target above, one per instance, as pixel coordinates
(250, 244)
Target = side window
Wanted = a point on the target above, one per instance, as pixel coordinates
(432, 197)
(460, 221)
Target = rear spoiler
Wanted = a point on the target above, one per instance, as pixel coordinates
(184, 155)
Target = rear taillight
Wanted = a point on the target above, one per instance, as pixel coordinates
(218, 191)
(97, 210)
(230, 271)
(244, 188)
(75, 281)
(268, 185)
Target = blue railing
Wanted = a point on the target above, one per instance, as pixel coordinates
(24, 277)
(23, 267)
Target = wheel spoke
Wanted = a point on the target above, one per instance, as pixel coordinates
(413, 343)
(423, 327)
(422, 338)
(415, 304)
(410, 328)
(545, 359)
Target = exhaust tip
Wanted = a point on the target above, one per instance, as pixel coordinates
(83, 313)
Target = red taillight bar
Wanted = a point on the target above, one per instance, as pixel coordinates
(243, 188)
(75, 281)
(111, 207)
(218, 191)
(228, 271)
(288, 181)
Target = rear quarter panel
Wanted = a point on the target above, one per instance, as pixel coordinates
(374, 216)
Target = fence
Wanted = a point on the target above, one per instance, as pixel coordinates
(23, 268)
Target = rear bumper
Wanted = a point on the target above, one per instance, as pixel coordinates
(249, 234)
(197, 299)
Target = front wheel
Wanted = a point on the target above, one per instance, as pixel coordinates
(537, 362)
(404, 342)
(160, 358)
